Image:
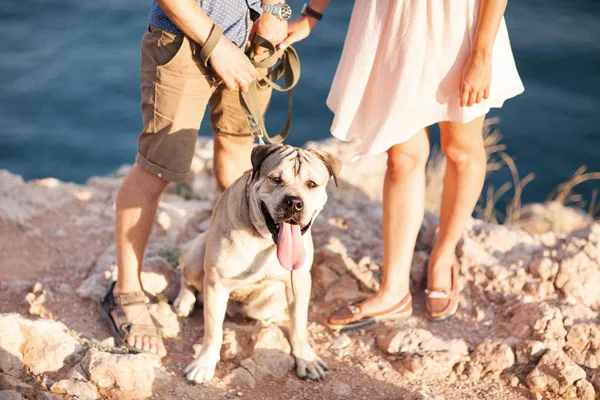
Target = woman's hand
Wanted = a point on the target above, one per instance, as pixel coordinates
(476, 78)
(298, 30)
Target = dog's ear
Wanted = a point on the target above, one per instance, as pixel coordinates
(259, 154)
(332, 162)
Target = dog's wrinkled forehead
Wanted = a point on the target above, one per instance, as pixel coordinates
(299, 160)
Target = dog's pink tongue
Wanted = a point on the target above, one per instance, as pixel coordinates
(290, 248)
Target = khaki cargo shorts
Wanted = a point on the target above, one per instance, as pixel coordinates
(176, 90)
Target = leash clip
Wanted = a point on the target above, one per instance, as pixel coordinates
(256, 133)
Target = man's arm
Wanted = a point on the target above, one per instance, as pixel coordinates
(228, 60)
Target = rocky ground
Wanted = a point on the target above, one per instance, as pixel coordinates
(527, 325)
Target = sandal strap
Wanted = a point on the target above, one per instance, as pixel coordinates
(437, 293)
(141, 330)
(128, 299)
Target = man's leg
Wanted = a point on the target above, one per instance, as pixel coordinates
(175, 93)
(233, 143)
(135, 210)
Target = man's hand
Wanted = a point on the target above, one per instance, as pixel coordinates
(271, 28)
(232, 65)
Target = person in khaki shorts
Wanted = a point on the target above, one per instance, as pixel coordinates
(176, 90)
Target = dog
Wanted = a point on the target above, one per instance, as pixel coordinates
(259, 236)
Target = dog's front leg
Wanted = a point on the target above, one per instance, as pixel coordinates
(216, 296)
(308, 364)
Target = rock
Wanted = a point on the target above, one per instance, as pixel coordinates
(544, 268)
(41, 345)
(165, 316)
(159, 277)
(272, 351)
(540, 321)
(322, 279)
(10, 395)
(292, 385)
(421, 393)
(231, 346)
(341, 342)
(403, 340)
(427, 354)
(10, 383)
(346, 289)
(341, 390)
(558, 374)
(131, 374)
(529, 351)
(240, 377)
(80, 390)
(11, 340)
(579, 275)
(94, 287)
(594, 378)
(583, 345)
(494, 356)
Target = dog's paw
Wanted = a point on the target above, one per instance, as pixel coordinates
(184, 305)
(201, 370)
(314, 369)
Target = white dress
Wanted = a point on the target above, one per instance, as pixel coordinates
(401, 68)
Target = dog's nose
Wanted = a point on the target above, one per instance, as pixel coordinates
(293, 203)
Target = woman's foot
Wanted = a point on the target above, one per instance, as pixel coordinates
(381, 307)
(441, 301)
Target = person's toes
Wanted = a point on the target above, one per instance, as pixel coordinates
(154, 345)
(162, 351)
(146, 343)
(131, 340)
(139, 343)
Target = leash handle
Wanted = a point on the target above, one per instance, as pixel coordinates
(282, 62)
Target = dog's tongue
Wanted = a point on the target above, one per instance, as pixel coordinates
(290, 248)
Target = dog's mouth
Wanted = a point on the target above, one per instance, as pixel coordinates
(287, 235)
(275, 227)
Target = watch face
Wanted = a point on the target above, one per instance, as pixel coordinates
(286, 11)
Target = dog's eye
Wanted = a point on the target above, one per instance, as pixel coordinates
(311, 184)
(276, 180)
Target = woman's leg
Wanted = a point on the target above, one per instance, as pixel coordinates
(403, 207)
(462, 143)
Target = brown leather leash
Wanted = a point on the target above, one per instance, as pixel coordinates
(279, 63)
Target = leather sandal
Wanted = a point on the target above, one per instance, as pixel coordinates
(352, 316)
(120, 326)
(442, 304)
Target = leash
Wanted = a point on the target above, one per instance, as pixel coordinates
(279, 63)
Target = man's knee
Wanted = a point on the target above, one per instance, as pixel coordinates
(139, 186)
(231, 158)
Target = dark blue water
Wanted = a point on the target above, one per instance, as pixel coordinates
(69, 87)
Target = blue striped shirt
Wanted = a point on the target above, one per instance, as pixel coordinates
(233, 15)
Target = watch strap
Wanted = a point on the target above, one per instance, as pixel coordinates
(306, 10)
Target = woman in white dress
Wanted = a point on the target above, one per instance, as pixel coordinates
(408, 64)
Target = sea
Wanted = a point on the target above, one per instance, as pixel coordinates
(69, 88)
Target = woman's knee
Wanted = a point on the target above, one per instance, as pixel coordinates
(461, 153)
(402, 163)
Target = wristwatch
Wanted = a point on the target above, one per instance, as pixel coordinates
(282, 10)
(306, 10)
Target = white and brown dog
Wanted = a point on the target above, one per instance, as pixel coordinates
(259, 232)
